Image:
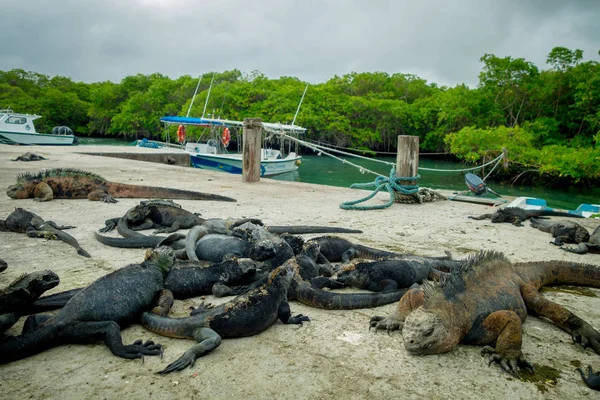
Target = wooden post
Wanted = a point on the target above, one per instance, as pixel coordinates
(407, 159)
(251, 151)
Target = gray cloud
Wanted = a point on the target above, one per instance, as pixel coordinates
(441, 41)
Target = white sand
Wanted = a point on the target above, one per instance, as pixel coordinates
(335, 355)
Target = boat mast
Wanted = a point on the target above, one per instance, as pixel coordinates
(299, 104)
(208, 94)
(294, 120)
(194, 97)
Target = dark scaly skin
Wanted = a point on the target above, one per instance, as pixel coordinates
(245, 315)
(310, 273)
(67, 183)
(194, 280)
(592, 245)
(592, 380)
(562, 232)
(17, 298)
(516, 215)
(23, 221)
(184, 280)
(98, 312)
(391, 274)
(336, 249)
(485, 302)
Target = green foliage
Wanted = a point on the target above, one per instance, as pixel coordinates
(539, 115)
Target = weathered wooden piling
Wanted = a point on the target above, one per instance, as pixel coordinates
(407, 159)
(252, 135)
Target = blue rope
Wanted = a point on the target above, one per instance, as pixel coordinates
(391, 184)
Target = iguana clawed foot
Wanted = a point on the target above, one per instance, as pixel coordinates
(587, 336)
(138, 349)
(298, 319)
(511, 362)
(389, 323)
(188, 359)
(593, 378)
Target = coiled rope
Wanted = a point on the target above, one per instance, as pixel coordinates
(392, 184)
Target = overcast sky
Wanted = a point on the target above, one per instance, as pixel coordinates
(439, 40)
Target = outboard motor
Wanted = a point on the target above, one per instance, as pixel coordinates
(62, 130)
(477, 185)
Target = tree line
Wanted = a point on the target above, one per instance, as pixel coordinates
(549, 119)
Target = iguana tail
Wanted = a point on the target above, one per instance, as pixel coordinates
(544, 226)
(123, 190)
(555, 214)
(53, 301)
(303, 229)
(542, 273)
(143, 242)
(26, 345)
(328, 300)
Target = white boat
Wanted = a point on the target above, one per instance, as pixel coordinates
(213, 154)
(18, 128)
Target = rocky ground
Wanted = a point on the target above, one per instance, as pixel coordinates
(333, 356)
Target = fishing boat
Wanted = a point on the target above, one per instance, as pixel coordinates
(19, 129)
(214, 154)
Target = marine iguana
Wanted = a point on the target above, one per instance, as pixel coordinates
(516, 215)
(98, 311)
(187, 280)
(563, 231)
(485, 302)
(592, 380)
(592, 245)
(23, 221)
(3, 265)
(391, 274)
(17, 298)
(29, 156)
(245, 315)
(68, 183)
(336, 249)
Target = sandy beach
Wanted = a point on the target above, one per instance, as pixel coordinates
(333, 356)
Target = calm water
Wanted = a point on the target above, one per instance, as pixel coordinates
(328, 171)
(325, 170)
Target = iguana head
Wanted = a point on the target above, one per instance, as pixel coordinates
(36, 283)
(348, 275)
(162, 257)
(424, 332)
(17, 191)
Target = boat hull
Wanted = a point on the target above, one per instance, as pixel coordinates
(36, 139)
(233, 164)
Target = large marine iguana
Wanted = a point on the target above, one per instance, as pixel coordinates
(245, 315)
(23, 221)
(68, 183)
(98, 311)
(336, 249)
(484, 302)
(391, 274)
(17, 298)
(516, 215)
(563, 231)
